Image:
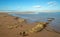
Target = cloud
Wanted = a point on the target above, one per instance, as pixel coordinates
(52, 3)
(37, 6)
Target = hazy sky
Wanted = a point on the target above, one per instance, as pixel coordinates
(29, 5)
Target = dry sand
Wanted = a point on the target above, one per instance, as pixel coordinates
(11, 27)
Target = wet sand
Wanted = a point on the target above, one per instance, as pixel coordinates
(11, 26)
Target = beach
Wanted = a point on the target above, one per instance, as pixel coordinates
(11, 26)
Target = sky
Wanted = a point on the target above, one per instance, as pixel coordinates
(30, 5)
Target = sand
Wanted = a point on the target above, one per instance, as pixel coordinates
(11, 27)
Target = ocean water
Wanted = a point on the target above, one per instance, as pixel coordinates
(42, 17)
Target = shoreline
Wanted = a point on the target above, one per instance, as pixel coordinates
(10, 26)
